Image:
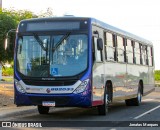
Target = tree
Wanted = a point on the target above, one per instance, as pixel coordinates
(48, 13)
(9, 19)
(6, 23)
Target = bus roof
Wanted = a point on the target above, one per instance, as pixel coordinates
(100, 24)
(120, 31)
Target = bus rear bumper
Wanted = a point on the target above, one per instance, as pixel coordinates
(67, 100)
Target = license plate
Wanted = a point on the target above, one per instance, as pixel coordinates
(48, 103)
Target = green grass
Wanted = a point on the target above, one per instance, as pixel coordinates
(8, 79)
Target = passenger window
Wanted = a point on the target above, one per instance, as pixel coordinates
(120, 49)
(137, 52)
(150, 56)
(144, 54)
(129, 51)
(110, 49)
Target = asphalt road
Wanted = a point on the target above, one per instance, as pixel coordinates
(120, 115)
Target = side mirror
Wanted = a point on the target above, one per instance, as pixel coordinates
(6, 44)
(6, 40)
(99, 44)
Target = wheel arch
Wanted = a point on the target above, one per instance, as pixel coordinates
(109, 87)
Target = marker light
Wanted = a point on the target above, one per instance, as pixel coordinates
(81, 87)
(19, 86)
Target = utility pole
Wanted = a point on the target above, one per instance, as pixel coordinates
(0, 4)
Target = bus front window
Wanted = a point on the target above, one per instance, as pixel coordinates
(52, 56)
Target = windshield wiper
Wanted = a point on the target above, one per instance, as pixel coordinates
(39, 41)
(61, 41)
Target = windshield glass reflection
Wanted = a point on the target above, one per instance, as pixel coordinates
(52, 56)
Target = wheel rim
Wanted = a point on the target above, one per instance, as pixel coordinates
(139, 97)
(107, 101)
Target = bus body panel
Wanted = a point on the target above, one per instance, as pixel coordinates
(98, 83)
(61, 100)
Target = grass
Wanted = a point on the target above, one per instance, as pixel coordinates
(7, 71)
(8, 79)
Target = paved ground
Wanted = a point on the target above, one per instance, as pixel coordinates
(6, 94)
(118, 112)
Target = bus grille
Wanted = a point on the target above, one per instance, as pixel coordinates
(50, 83)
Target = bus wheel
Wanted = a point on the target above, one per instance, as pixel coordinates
(135, 101)
(43, 109)
(103, 109)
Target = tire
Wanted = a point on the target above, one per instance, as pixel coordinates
(135, 101)
(43, 109)
(103, 109)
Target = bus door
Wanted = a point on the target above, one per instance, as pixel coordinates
(97, 71)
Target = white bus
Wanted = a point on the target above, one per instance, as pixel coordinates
(80, 62)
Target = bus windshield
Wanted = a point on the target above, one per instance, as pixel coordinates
(57, 55)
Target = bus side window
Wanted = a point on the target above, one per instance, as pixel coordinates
(97, 53)
(120, 49)
(129, 51)
(144, 54)
(137, 52)
(110, 48)
(150, 56)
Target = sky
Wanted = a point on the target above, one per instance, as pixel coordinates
(140, 17)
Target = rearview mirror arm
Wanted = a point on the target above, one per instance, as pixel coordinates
(6, 39)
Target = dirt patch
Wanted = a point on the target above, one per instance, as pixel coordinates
(6, 96)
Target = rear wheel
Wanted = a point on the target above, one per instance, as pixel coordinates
(43, 109)
(135, 101)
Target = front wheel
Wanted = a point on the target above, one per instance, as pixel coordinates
(43, 109)
(103, 109)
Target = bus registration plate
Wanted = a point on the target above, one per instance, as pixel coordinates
(48, 103)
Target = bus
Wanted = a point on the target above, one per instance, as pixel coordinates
(80, 62)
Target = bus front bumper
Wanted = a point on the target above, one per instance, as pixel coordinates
(61, 100)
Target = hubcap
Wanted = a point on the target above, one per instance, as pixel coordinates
(139, 97)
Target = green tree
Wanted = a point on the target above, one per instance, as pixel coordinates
(6, 23)
(9, 19)
(47, 13)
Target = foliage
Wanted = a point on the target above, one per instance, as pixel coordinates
(7, 71)
(9, 19)
(157, 75)
(48, 13)
(6, 23)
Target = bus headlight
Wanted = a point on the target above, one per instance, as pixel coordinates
(81, 87)
(19, 86)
